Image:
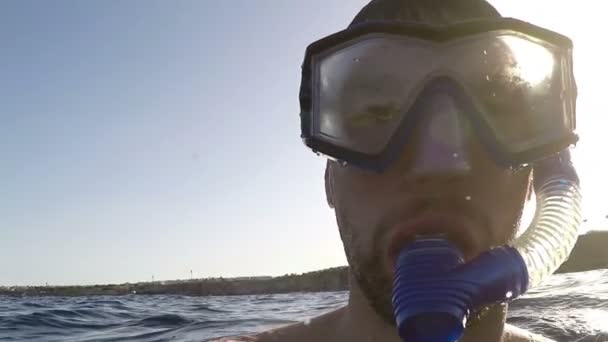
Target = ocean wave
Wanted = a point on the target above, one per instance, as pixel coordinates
(51, 320)
(34, 305)
(165, 320)
(205, 308)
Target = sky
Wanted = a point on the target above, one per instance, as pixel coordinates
(144, 139)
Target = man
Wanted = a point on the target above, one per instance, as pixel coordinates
(443, 180)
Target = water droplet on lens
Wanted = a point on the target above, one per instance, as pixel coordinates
(487, 77)
(468, 198)
(485, 52)
(509, 294)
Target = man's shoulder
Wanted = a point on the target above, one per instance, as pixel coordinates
(236, 339)
(316, 329)
(515, 334)
(286, 333)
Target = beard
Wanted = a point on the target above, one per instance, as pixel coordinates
(368, 269)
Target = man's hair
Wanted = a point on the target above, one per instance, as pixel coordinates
(425, 11)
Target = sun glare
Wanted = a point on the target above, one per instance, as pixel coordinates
(534, 63)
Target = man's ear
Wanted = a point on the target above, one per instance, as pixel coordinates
(329, 184)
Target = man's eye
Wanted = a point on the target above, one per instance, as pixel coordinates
(506, 95)
(375, 114)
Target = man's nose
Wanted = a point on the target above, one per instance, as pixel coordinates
(442, 139)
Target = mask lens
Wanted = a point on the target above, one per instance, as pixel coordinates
(363, 90)
(517, 85)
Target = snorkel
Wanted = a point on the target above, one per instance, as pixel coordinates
(434, 291)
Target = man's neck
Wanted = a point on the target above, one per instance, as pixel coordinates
(359, 322)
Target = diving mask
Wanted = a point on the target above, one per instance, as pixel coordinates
(364, 89)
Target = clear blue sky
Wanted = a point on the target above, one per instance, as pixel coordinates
(142, 138)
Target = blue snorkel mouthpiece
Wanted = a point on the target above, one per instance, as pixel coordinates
(434, 290)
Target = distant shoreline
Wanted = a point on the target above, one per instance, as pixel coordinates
(590, 253)
(332, 279)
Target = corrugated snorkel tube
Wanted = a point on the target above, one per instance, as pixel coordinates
(435, 291)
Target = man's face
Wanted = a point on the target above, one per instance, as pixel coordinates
(378, 214)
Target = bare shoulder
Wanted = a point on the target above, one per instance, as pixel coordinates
(320, 329)
(236, 339)
(316, 329)
(515, 334)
